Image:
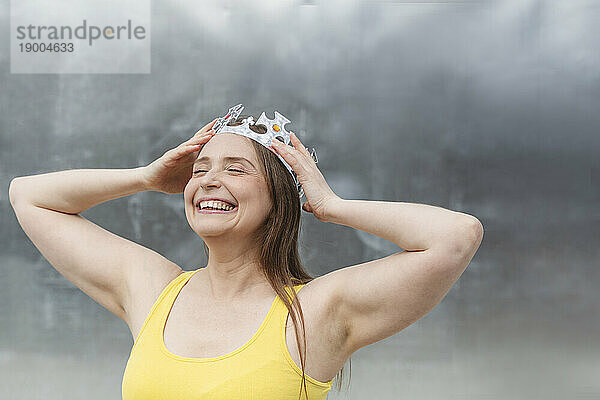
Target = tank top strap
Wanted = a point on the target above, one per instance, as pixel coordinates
(170, 292)
(289, 290)
(262, 366)
(273, 331)
(281, 308)
(163, 303)
(278, 336)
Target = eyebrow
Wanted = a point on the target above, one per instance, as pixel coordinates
(205, 158)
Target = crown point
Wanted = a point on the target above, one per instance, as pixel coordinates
(276, 133)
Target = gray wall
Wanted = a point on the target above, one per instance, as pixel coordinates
(488, 108)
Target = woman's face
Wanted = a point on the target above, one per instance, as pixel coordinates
(239, 181)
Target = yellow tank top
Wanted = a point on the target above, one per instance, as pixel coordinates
(262, 368)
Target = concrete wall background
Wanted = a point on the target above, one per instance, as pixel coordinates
(489, 108)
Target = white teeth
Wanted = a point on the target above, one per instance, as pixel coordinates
(216, 205)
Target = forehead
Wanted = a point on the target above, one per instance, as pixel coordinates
(228, 146)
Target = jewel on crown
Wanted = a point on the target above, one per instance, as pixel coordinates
(275, 130)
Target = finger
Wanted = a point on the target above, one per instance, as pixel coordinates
(187, 149)
(195, 141)
(291, 149)
(207, 127)
(291, 156)
(202, 136)
(272, 151)
(298, 144)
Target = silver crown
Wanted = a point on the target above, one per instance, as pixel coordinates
(275, 130)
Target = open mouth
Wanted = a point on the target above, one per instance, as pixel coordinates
(215, 207)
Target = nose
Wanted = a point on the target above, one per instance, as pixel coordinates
(208, 180)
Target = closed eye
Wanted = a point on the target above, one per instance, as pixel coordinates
(230, 169)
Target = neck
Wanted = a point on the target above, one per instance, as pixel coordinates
(233, 272)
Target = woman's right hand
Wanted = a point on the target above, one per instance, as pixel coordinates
(172, 171)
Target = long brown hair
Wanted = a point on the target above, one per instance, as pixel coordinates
(277, 238)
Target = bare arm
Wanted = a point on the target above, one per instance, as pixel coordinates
(371, 301)
(74, 191)
(377, 299)
(119, 274)
(411, 226)
(95, 260)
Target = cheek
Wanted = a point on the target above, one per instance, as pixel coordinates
(262, 202)
(188, 194)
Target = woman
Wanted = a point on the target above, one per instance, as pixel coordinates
(220, 332)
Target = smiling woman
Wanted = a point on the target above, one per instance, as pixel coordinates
(252, 257)
(221, 331)
(263, 226)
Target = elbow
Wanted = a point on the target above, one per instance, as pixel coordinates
(475, 230)
(470, 236)
(12, 192)
(463, 240)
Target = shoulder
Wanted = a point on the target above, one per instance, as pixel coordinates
(319, 293)
(319, 301)
(145, 287)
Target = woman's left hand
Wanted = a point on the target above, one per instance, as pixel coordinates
(320, 197)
